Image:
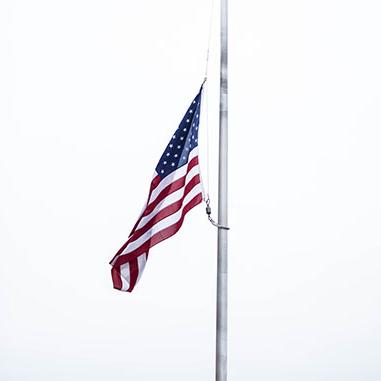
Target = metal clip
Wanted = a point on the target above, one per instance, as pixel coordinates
(209, 212)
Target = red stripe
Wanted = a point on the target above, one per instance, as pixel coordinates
(167, 211)
(172, 187)
(171, 230)
(116, 278)
(134, 272)
(176, 185)
(144, 230)
(159, 236)
(154, 183)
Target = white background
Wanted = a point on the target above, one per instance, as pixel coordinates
(90, 93)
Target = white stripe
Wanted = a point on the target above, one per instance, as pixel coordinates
(142, 260)
(173, 176)
(169, 179)
(164, 223)
(170, 199)
(125, 271)
(125, 276)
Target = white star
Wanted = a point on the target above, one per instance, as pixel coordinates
(190, 111)
(196, 128)
(168, 153)
(184, 129)
(171, 145)
(187, 149)
(162, 171)
(173, 164)
(164, 162)
(189, 139)
(176, 155)
(192, 136)
(194, 124)
(196, 115)
(178, 147)
(194, 101)
(182, 138)
(196, 140)
(184, 158)
(174, 137)
(188, 120)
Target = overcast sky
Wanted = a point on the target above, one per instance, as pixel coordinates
(91, 92)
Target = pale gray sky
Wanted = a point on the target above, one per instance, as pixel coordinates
(90, 93)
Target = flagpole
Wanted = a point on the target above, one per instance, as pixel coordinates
(222, 246)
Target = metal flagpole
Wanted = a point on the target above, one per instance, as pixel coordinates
(222, 248)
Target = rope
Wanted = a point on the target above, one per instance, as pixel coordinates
(207, 143)
(209, 37)
(206, 99)
(205, 90)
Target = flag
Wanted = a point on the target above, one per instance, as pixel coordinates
(175, 189)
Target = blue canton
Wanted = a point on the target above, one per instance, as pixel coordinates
(183, 141)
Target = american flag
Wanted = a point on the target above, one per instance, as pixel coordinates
(175, 189)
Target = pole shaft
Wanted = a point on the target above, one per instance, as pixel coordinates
(222, 247)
